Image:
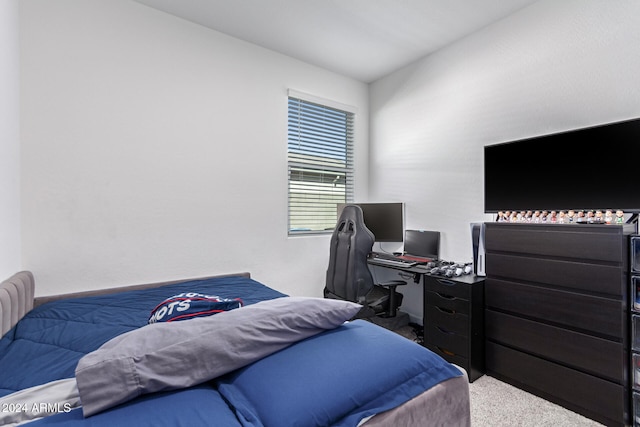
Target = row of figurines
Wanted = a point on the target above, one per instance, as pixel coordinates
(563, 217)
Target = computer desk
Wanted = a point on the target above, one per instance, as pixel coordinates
(453, 315)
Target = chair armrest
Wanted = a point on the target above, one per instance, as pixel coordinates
(393, 283)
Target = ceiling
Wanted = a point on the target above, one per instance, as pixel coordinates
(362, 39)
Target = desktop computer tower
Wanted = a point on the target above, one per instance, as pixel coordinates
(477, 244)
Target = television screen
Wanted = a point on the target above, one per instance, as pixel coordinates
(384, 220)
(590, 168)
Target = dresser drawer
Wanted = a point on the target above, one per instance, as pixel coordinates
(447, 320)
(599, 243)
(450, 356)
(446, 339)
(447, 287)
(446, 302)
(586, 353)
(597, 315)
(583, 277)
(602, 400)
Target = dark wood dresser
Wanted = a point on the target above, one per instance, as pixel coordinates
(556, 314)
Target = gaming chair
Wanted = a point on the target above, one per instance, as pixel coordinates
(348, 274)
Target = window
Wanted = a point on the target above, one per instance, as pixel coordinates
(320, 161)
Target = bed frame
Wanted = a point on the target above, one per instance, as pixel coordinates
(436, 404)
(45, 299)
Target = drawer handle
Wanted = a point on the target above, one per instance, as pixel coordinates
(445, 296)
(447, 282)
(444, 331)
(445, 351)
(446, 310)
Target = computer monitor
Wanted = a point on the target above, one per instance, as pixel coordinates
(384, 220)
(422, 243)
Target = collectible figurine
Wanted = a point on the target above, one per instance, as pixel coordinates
(536, 217)
(619, 217)
(608, 216)
(528, 217)
(598, 217)
(571, 215)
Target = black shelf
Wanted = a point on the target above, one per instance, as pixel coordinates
(454, 320)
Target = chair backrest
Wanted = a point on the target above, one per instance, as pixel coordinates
(348, 275)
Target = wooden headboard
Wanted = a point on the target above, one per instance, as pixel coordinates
(16, 299)
(17, 295)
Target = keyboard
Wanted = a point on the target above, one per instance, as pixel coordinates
(417, 259)
(394, 262)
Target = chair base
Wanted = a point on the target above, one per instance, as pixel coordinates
(392, 323)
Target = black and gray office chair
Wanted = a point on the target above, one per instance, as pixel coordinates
(348, 274)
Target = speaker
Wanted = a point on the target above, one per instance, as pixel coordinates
(477, 244)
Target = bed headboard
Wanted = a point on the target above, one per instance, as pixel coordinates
(49, 298)
(16, 299)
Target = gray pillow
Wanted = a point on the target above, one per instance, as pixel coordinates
(168, 356)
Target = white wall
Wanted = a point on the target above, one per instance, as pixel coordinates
(550, 67)
(10, 259)
(154, 149)
(131, 120)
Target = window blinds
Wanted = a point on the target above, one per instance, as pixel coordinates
(320, 162)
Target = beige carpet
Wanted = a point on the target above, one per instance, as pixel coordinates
(494, 403)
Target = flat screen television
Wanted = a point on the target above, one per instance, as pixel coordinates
(384, 220)
(590, 168)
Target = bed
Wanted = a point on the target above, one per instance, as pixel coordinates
(94, 359)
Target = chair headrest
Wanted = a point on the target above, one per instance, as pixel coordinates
(351, 213)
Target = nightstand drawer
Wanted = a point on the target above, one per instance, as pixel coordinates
(450, 356)
(447, 320)
(448, 287)
(446, 339)
(446, 302)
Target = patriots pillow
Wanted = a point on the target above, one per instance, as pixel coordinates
(188, 305)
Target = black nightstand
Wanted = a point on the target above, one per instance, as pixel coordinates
(454, 320)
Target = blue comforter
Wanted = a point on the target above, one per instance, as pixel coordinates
(48, 342)
(335, 378)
